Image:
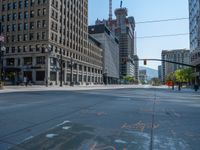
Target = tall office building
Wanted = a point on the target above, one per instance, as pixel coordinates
(124, 29)
(178, 55)
(194, 17)
(41, 33)
(160, 72)
(143, 76)
(110, 46)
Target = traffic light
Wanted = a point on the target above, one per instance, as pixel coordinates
(145, 62)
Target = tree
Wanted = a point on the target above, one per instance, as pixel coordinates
(129, 79)
(184, 75)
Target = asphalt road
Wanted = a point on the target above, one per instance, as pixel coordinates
(120, 119)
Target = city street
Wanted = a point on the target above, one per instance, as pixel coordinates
(101, 119)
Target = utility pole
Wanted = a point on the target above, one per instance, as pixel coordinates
(61, 68)
(71, 76)
(2, 50)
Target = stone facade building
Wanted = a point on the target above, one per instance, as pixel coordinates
(110, 46)
(123, 28)
(194, 19)
(178, 55)
(41, 33)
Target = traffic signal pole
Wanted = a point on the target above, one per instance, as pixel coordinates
(197, 67)
(169, 61)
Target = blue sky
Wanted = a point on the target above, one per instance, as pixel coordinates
(144, 10)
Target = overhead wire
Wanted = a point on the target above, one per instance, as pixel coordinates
(159, 21)
(165, 35)
(163, 20)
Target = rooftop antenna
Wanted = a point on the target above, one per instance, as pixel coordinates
(121, 3)
(110, 10)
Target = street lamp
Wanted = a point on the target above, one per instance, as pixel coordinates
(2, 50)
(71, 68)
(61, 67)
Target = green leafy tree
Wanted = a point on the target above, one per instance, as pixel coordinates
(129, 79)
(184, 75)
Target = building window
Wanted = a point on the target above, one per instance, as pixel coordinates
(32, 2)
(40, 75)
(3, 18)
(14, 27)
(8, 28)
(32, 13)
(18, 62)
(40, 60)
(13, 49)
(31, 36)
(25, 14)
(20, 16)
(7, 49)
(9, 6)
(38, 36)
(25, 26)
(31, 48)
(43, 35)
(26, 3)
(37, 48)
(25, 37)
(14, 16)
(31, 25)
(53, 62)
(39, 2)
(25, 49)
(44, 23)
(3, 7)
(10, 61)
(44, 11)
(20, 4)
(39, 12)
(3, 28)
(14, 5)
(8, 39)
(19, 49)
(13, 38)
(39, 24)
(20, 27)
(27, 60)
(44, 1)
(8, 17)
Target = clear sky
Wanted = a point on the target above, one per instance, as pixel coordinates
(145, 10)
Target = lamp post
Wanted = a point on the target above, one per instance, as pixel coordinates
(2, 50)
(71, 68)
(61, 67)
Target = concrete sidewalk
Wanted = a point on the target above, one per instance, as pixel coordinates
(8, 89)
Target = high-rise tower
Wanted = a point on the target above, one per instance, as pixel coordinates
(39, 33)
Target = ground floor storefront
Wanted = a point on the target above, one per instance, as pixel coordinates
(38, 70)
(38, 77)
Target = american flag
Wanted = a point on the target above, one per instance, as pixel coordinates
(2, 39)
